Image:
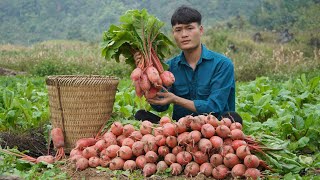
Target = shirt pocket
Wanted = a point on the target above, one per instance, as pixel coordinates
(182, 91)
(203, 92)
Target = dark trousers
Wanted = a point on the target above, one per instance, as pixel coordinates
(146, 115)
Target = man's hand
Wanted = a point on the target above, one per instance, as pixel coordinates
(162, 98)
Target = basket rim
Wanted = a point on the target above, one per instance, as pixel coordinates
(71, 80)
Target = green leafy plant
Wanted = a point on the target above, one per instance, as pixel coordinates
(139, 31)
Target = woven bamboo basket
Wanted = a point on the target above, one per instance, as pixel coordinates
(80, 105)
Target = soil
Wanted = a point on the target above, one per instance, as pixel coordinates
(9, 72)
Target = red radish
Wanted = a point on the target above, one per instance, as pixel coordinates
(235, 125)
(180, 127)
(104, 160)
(194, 137)
(74, 152)
(153, 74)
(196, 123)
(104, 163)
(230, 160)
(85, 142)
(137, 148)
(200, 157)
(135, 74)
(129, 165)
(220, 172)
(238, 170)
(125, 152)
(237, 143)
(251, 161)
(157, 131)
(82, 163)
(176, 169)
(182, 138)
(148, 137)
(151, 157)
(243, 151)
(211, 119)
(141, 161)
(170, 158)
(144, 82)
(163, 151)
(184, 157)
(167, 78)
(58, 141)
(149, 169)
(116, 128)
(109, 135)
(205, 145)
(192, 169)
(169, 129)
(151, 93)
(226, 121)
(171, 141)
(128, 142)
(100, 145)
(94, 161)
(176, 150)
(206, 169)
(164, 120)
(47, 159)
(120, 139)
(252, 173)
(89, 152)
(74, 158)
(150, 146)
(112, 150)
(138, 89)
(128, 129)
(146, 127)
(216, 142)
(192, 148)
(161, 166)
(116, 164)
(216, 160)
(136, 135)
(223, 131)
(227, 141)
(226, 149)
(207, 130)
(103, 152)
(160, 140)
(237, 134)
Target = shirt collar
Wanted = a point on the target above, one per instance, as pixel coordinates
(205, 54)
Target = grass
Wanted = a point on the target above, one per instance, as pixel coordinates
(251, 59)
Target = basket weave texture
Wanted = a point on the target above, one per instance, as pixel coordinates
(80, 105)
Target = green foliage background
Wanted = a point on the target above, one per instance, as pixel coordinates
(30, 21)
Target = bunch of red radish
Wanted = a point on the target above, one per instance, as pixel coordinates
(149, 77)
(193, 145)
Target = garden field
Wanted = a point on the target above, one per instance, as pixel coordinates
(277, 95)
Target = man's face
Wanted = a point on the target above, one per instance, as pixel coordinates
(187, 36)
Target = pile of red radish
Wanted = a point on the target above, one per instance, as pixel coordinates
(193, 145)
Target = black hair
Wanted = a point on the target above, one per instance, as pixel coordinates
(185, 15)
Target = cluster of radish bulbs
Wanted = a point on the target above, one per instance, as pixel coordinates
(192, 145)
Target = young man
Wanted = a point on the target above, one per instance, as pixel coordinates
(204, 79)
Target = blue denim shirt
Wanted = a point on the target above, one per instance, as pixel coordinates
(211, 86)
